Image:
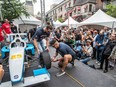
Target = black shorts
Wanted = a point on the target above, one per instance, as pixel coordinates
(73, 58)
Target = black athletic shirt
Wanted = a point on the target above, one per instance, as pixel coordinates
(41, 34)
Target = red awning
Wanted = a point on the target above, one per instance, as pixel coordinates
(79, 8)
(70, 11)
(74, 16)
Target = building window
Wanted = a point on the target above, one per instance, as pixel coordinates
(65, 6)
(85, 8)
(69, 4)
(74, 10)
(90, 8)
(61, 8)
(71, 14)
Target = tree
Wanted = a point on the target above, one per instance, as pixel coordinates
(60, 19)
(12, 9)
(111, 10)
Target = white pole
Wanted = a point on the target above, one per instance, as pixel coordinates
(113, 26)
(1, 11)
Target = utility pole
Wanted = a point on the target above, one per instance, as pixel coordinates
(43, 17)
(0, 10)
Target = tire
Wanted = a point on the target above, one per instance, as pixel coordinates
(45, 60)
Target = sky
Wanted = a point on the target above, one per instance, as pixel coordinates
(47, 5)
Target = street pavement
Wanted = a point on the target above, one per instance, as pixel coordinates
(79, 75)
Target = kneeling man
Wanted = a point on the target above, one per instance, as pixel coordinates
(68, 55)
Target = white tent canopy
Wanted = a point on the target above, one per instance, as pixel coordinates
(72, 22)
(100, 18)
(27, 20)
(57, 23)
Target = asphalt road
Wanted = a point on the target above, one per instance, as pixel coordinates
(79, 75)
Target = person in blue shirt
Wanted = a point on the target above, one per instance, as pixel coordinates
(40, 34)
(68, 55)
(100, 44)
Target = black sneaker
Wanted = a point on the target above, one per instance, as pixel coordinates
(105, 71)
(93, 66)
(111, 68)
(72, 63)
(60, 73)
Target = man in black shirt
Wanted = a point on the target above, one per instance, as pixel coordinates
(13, 28)
(68, 55)
(42, 33)
(31, 33)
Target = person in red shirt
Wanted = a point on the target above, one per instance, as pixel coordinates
(6, 27)
(6, 30)
(1, 36)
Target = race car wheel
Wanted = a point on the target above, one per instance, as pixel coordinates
(45, 60)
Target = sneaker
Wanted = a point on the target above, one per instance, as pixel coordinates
(93, 67)
(72, 63)
(111, 68)
(25, 63)
(105, 71)
(60, 73)
(39, 66)
(96, 61)
(98, 64)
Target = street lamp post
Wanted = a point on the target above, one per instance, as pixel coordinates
(42, 12)
(0, 10)
(68, 12)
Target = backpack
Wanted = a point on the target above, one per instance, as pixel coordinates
(107, 50)
(109, 46)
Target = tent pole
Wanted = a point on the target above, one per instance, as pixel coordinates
(113, 26)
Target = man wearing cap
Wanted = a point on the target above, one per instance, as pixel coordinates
(87, 51)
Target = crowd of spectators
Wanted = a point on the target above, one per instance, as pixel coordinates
(90, 44)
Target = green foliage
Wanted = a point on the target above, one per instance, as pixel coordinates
(13, 9)
(60, 19)
(111, 10)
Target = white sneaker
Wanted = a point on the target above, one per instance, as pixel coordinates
(98, 64)
(39, 66)
(96, 61)
(60, 73)
(25, 63)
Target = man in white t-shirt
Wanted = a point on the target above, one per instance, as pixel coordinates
(87, 51)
